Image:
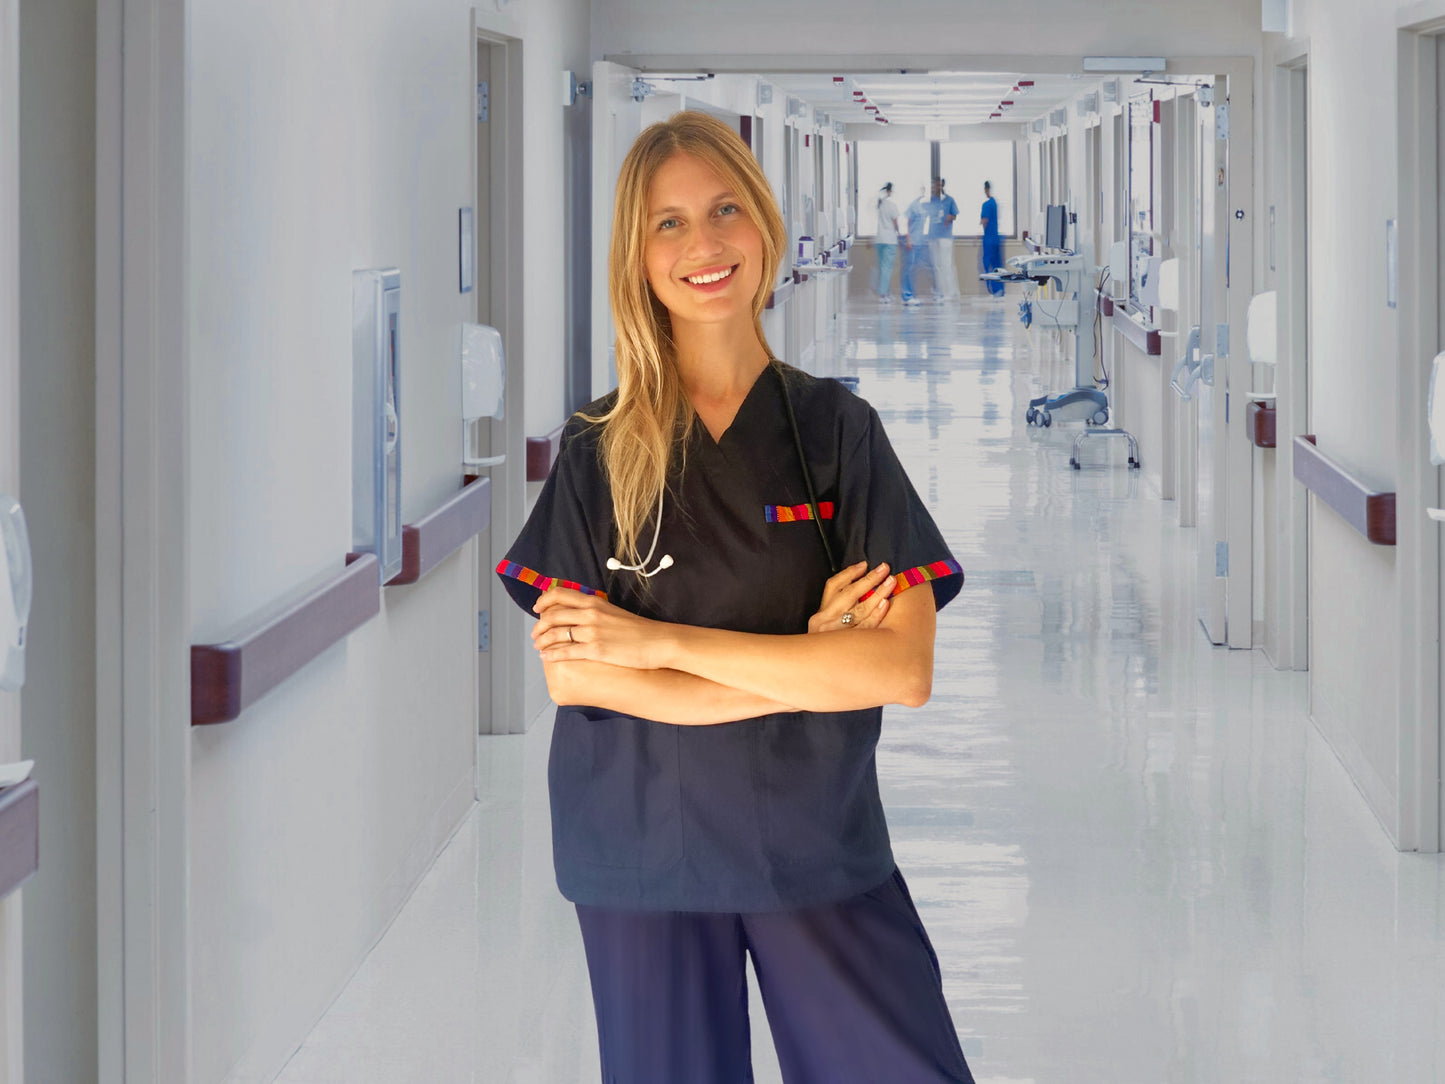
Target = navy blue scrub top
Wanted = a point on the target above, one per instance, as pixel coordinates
(764, 814)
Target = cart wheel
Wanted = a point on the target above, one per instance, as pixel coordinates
(1045, 418)
(1101, 417)
(1031, 415)
(1075, 464)
(1133, 463)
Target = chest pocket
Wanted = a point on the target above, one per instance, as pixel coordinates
(796, 513)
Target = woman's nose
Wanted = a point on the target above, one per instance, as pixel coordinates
(704, 239)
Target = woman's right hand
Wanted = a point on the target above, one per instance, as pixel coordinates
(843, 594)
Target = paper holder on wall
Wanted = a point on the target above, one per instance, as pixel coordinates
(484, 386)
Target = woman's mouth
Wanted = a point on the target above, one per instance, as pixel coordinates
(711, 280)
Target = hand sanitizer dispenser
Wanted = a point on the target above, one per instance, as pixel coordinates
(15, 589)
(376, 421)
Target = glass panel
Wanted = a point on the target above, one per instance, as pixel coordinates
(965, 166)
(903, 163)
(1141, 188)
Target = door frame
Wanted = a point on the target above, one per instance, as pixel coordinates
(1418, 578)
(509, 659)
(1290, 114)
(142, 557)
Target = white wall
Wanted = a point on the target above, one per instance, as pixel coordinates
(326, 137)
(11, 1032)
(832, 27)
(57, 452)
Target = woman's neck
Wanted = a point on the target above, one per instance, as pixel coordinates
(718, 363)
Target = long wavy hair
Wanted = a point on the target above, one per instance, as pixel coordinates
(652, 417)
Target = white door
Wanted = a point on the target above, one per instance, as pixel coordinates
(12, 1062)
(616, 123)
(1209, 391)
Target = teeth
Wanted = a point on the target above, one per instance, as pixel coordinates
(716, 276)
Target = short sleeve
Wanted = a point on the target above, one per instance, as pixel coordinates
(555, 547)
(884, 519)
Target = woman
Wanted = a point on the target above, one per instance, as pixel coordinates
(712, 772)
(885, 243)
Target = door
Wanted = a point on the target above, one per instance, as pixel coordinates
(1209, 390)
(1186, 219)
(616, 123)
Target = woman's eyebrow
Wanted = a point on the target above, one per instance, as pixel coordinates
(679, 210)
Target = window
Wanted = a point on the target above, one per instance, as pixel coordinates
(965, 166)
(1141, 188)
(906, 164)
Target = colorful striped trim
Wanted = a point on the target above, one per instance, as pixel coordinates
(539, 581)
(922, 574)
(784, 513)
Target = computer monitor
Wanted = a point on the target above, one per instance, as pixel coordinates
(1056, 229)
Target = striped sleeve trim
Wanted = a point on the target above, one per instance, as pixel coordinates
(792, 513)
(540, 582)
(922, 574)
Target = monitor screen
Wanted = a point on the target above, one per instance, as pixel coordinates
(1056, 230)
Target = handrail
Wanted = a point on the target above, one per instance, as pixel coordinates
(230, 676)
(432, 539)
(780, 294)
(542, 453)
(1146, 339)
(1368, 511)
(1259, 423)
(19, 835)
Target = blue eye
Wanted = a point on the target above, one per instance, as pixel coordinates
(729, 209)
(667, 224)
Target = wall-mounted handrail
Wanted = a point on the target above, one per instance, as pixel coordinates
(230, 676)
(1260, 423)
(542, 453)
(19, 835)
(1368, 511)
(780, 294)
(1144, 339)
(432, 539)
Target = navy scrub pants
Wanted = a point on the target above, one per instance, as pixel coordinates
(852, 992)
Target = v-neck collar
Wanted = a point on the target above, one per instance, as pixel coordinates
(749, 401)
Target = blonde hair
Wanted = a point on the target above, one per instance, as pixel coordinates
(652, 413)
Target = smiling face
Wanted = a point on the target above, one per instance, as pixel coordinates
(703, 254)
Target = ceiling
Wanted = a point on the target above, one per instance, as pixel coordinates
(932, 98)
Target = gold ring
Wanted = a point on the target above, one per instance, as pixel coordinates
(847, 619)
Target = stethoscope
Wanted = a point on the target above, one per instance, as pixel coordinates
(614, 565)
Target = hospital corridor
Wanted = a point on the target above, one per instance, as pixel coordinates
(484, 485)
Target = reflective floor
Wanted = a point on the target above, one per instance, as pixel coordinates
(1136, 858)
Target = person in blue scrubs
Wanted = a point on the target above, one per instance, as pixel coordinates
(732, 574)
(943, 210)
(991, 255)
(916, 255)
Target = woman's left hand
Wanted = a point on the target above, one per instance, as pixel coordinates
(574, 625)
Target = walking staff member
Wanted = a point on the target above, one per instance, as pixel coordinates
(719, 678)
(991, 252)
